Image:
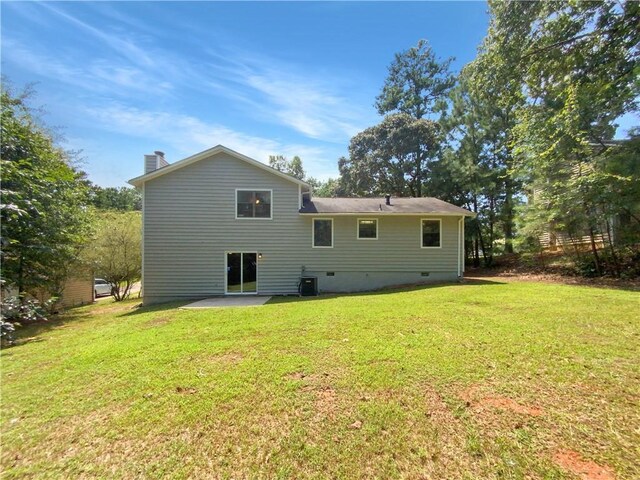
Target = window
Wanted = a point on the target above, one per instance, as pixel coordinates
(431, 233)
(322, 233)
(253, 204)
(367, 229)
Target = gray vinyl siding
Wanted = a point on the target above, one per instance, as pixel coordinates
(189, 224)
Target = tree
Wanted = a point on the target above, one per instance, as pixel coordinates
(478, 168)
(417, 84)
(577, 64)
(392, 157)
(116, 251)
(331, 187)
(293, 167)
(124, 199)
(467, 174)
(45, 219)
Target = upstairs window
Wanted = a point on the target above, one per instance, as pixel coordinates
(431, 233)
(322, 233)
(367, 229)
(253, 204)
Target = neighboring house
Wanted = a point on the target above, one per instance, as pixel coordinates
(557, 239)
(221, 223)
(76, 290)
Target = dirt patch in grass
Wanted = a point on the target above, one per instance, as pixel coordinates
(478, 400)
(585, 469)
(452, 434)
(309, 379)
(158, 321)
(296, 376)
(325, 402)
(325, 397)
(186, 390)
(504, 403)
(231, 358)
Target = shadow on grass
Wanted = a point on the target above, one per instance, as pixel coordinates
(158, 307)
(131, 307)
(630, 285)
(384, 291)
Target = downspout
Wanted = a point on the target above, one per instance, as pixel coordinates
(463, 249)
(142, 246)
(459, 246)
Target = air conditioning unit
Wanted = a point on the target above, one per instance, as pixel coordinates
(308, 286)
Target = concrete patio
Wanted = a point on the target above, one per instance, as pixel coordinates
(221, 302)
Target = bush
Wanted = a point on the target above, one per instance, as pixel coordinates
(625, 265)
(15, 312)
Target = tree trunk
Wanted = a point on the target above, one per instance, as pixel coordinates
(508, 223)
(418, 177)
(476, 253)
(476, 258)
(614, 256)
(487, 262)
(594, 251)
(21, 278)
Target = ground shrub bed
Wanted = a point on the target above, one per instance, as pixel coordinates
(489, 379)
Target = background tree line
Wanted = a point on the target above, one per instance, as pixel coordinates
(522, 136)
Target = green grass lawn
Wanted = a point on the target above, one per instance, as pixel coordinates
(479, 380)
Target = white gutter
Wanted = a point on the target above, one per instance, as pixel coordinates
(377, 213)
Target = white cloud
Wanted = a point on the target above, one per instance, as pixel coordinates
(313, 107)
(97, 76)
(118, 43)
(312, 103)
(188, 135)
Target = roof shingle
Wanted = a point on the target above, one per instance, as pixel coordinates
(399, 206)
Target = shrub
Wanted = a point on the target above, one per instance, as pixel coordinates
(15, 312)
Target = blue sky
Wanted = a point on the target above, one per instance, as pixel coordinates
(125, 78)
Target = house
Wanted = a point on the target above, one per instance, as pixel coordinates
(221, 223)
(580, 235)
(76, 290)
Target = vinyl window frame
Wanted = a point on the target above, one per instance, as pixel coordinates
(358, 228)
(235, 204)
(313, 233)
(439, 220)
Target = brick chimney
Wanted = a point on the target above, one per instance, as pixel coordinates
(154, 161)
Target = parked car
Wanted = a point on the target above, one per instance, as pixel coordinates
(101, 287)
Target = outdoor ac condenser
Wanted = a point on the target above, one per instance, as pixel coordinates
(308, 286)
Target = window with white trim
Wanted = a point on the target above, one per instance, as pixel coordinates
(431, 233)
(367, 229)
(322, 232)
(253, 204)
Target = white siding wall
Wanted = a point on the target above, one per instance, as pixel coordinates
(190, 223)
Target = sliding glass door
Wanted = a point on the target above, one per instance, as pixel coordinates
(242, 272)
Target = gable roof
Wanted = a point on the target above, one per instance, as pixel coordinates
(399, 206)
(138, 181)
